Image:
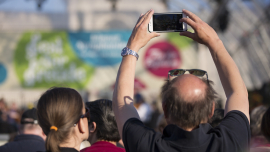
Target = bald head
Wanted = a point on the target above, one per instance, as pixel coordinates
(190, 87)
(188, 100)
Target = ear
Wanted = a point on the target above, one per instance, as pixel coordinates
(92, 127)
(213, 109)
(82, 126)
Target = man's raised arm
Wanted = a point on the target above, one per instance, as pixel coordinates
(234, 87)
(124, 87)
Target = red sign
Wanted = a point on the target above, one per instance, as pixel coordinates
(162, 57)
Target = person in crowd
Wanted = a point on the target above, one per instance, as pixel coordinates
(144, 110)
(103, 133)
(31, 138)
(265, 129)
(265, 126)
(161, 123)
(5, 126)
(64, 118)
(255, 126)
(188, 100)
(217, 117)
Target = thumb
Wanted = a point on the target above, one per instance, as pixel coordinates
(187, 34)
(154, 34)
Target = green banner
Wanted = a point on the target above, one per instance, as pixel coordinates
(46, 59)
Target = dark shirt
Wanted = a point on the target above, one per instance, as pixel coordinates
(25, 143)
(232, 135)
(103, 146)
(66, 149)
(5, 127)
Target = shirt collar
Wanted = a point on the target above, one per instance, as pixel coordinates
(197, 136)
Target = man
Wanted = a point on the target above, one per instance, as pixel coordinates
(103, 133)
(31, 139)
(187, 100)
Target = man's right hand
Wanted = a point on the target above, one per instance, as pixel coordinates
(203, 33)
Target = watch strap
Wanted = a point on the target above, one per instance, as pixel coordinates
(130, 52)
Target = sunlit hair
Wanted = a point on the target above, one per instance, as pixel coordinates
(266, 124)
(256, 120)
(187, 114)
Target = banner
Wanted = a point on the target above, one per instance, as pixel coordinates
(99, 48)
(46, 59)
(82, 60)
(3, 73)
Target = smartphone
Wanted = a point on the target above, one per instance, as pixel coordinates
(167, 22)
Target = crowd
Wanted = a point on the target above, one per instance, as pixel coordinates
(190, 121)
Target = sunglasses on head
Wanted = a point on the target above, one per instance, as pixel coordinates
(87, 115)
(178, 72)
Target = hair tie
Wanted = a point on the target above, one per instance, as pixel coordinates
(54, 128)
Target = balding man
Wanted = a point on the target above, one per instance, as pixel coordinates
(31, 138)
(187, 99)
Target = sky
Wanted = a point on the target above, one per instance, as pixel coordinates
(51, 6)
(59, 6)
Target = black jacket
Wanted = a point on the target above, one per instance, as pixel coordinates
(25, 143)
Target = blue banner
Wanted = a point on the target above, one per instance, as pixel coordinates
(99, 48)
(3, 73)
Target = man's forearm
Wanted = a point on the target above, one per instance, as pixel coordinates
(125, 79)
(124, 87)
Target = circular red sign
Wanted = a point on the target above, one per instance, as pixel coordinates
(162, 57)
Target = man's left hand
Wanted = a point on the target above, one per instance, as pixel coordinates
(140, 37)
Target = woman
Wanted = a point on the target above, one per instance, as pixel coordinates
(103, 132)
(63, 118)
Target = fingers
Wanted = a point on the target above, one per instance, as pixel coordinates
(188, 34)
(154, 34)
(189, 22)
(148, 17)
(143, 17)
(191, 15)
(139, 18)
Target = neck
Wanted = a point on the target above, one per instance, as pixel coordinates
(71, 143)
(169, 122)
(33, 132)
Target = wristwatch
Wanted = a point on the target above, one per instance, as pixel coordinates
(127, 51)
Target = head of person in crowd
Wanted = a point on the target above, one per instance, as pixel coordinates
(63, 117)
(217, 117)
(29, 124)
(188, 101)
(265, 126)
(144, 110)
(256, 120)
(138, 100)
(31, 137)
(102, 124)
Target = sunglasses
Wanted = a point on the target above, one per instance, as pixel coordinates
(87, 115)
(178, 72)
